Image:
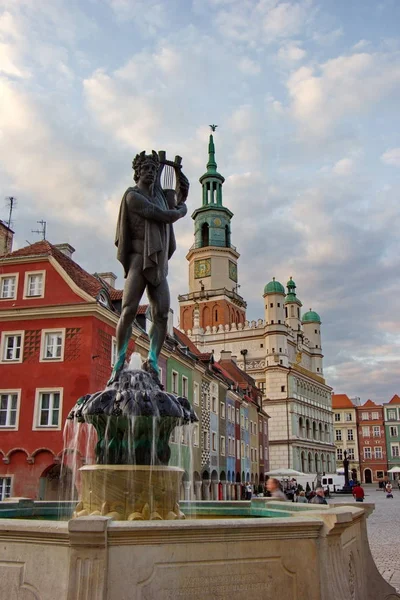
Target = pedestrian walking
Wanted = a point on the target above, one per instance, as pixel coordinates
(358, 492)
(389, 490)
(274, 488)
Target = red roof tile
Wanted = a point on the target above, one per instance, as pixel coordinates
(186, 341)
(341, 401)
(395, 400)
(369, 403)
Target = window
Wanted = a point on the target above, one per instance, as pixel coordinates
(242, 420)
(349, 417)
(282, 388)
(337, 417)
(391, 415)
(255, 454)
(265, 427)
(8, 286)
(222, 410)
(214, 404)
(52, 345)
(214, 441)
(366, 431)
(395, 450)
(375, 416)
(278, 304)
(350, 435)
(11, 346)
(247, 451)
(393, 431)
(174, 382)
(242, 450)
(196, 434)
(34, 284)
(261, 387)
(184, 386)
(246, 420)
(339, 454)
(260, 451)
(364, 416)
(237, 416)
(222, 445)
(338, 435)
(237, 448)
(350, 453)
(271, 305)
(5, 487)
(367, 452)
(206, 440)
(113, 351)
(196, 394)
(377, 431)
(251, 455)
(9, 409)
(265, 453)
(379, 474)
(48, 409)
(378, 452)
(255, 428)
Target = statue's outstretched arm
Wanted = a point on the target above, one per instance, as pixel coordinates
(138, 204)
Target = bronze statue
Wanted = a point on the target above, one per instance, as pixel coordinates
(145, 241)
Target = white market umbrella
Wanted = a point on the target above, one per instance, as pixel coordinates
(394, 470)
(285, 473)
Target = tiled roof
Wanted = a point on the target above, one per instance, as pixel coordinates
(341, 401)
(369, 403)
(184, 340)
(243, 379)
(395, 400)
(87, 282)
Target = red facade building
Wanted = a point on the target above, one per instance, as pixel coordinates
(371, 442)
(57, 324)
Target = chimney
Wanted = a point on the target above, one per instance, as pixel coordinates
(6, 239)
(225, 355)
(66, 249)
(110, 278)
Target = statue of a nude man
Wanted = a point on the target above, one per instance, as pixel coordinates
(145, 241)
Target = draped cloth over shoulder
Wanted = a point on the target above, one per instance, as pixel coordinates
(159, 240)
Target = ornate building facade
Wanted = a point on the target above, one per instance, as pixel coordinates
(345, 428)
(282, 351)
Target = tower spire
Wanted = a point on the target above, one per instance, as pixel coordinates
(211, 165)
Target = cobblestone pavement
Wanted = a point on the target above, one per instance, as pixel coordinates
(383, 531)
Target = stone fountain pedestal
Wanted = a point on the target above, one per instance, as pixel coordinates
(130, 492)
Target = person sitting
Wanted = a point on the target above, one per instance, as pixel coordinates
(302, 497)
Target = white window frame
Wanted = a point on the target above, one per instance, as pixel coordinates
(376, 431)
(196, 434)
(3, 346)
(237, 448)
(43, 345)
(196, 394)
(375, 416)
(36, 414)
(17, 392)
(365, 416)
(338, 435)
(366, 453)
(393, 430)
(376, 453)
(11, 477)
(237, 416)
(339, 451)
(9, 276)
(113, 351)
(349, 417)
(350, 435)
(391, 414)
(214, 441)
(392, 448)
(28, 274)
(222, 410)
(185, 386)
(350, 453)
(366, 431)
(242, 450)
(175, 379)
(337, 417)
(222, 443)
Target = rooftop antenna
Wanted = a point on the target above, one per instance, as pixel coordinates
(11, 204)
(41, 231)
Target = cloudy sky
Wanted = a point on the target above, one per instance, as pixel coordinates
(306, 95)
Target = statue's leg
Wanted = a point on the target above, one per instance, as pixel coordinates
(160, 302)
(133, 291)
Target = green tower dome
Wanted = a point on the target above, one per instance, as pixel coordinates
(274, 287)
(311, 317)
(291, 293)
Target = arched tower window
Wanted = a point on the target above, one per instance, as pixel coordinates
(292, 311)
(205, 235)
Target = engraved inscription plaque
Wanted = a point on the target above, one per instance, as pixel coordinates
(230, 579)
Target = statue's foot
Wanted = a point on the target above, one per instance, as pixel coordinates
(114, 376)
(149, 368)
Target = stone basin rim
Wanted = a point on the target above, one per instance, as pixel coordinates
(149, 468)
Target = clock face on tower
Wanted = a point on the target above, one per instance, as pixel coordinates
(202, 268)
(233, 271)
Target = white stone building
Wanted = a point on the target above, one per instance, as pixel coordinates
(282, 350)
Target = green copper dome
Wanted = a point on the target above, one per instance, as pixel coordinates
(311, 317)
(291, 294)
(274, 287)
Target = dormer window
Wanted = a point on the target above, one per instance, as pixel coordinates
(34, 284)
(103, 300)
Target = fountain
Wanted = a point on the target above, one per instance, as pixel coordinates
(128, 538)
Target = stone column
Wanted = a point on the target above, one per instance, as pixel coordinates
(197, 490)
(206, 490)
(214, 486)
(238, 491)
(224, 485)
(88, 558)
(187, 488)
